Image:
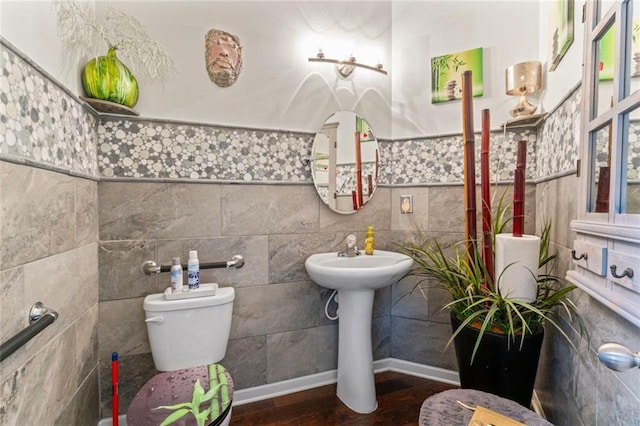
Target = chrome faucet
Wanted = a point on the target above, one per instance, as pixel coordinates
(352, 248)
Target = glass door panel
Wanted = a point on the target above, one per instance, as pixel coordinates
(634, 52)
(600, 170)
(605, 64)
(605, 5)
(632, 156)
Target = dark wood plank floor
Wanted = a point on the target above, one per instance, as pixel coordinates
(399, 399)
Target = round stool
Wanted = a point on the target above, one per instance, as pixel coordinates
(175, 387)
(442, 408)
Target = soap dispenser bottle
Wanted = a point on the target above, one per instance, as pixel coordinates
(193, 270)
(369, 241)
(176, 275)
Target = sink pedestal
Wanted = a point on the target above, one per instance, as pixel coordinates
(356, 384)
(356, 279)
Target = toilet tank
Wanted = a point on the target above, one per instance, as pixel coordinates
(185, 333)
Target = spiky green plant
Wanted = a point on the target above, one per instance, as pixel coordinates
(477, 301)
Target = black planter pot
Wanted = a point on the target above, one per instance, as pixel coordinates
(500, 369)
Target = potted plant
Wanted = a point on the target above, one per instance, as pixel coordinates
(105, 78)
(497, 332)
(497, 338)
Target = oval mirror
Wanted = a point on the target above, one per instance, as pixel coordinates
(345, 162)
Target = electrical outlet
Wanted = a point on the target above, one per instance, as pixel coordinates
(406, 204)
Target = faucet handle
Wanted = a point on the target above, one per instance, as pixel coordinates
(351, 240)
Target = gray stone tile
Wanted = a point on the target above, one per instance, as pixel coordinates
(86, 193)
(269, 209)
(37, 225)
(566, 210)
(381, 337)
(419, 219)
(382, 302)
(423, 342)
(122, 328)
(47, 281)
(616, 405)
(84, 407)
(87, 342)
(66, 283)
(446, 209)
(140, 210)
(13, 308)
(120, 275)
(246, 361)
(410, 299)
(566, 384)
(51, 375)
(275, 308)
(252, 248)
(376, 213)
(133, 372)
(301, 352)
(287, 254)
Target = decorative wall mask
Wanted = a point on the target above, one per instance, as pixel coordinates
(223, 57)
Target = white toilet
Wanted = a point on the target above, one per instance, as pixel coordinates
(187, 337)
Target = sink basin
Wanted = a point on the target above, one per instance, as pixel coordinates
(375, 271)
(356, 279)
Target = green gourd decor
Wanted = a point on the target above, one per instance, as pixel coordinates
(108, 79)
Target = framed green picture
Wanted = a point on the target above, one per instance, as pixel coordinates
(446, 74)
(560, 31)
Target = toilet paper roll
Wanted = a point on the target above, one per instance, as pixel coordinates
(517, 266)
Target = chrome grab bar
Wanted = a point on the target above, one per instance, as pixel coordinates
(39, 318)
(150, 267)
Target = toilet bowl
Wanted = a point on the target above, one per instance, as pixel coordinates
(188, 336)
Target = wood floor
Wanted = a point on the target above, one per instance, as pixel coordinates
(399, 399)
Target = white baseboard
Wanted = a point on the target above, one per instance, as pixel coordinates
(271, 390)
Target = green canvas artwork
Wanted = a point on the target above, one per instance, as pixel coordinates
(560, 31)
(446, 74)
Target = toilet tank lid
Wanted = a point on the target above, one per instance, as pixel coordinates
(157, 302)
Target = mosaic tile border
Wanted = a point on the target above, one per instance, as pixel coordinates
(440, 159)
(151, 149)
(558, 146)
(44, 124)
(41, 123)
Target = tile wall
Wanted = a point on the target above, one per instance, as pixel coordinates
(164, 188)
(48, 248)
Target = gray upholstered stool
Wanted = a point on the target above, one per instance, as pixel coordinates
(442, 408)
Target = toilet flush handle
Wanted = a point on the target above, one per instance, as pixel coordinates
(159, 320)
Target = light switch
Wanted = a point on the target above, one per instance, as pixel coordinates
(406, 204)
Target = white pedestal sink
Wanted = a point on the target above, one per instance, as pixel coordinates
(356, 279)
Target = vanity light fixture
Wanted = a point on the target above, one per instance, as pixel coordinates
(523, 78)
(347, 66)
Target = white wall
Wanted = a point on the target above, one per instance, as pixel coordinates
(31, 27)
(507, 30)
(280, 89)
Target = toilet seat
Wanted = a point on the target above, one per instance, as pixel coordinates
(174, 387)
